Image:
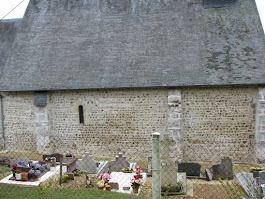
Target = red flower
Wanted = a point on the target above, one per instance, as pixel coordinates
(137, 172)
(14, 166)
(137, 177)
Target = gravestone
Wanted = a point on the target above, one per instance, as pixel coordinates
(227, 169)
(191, 169)
(169, 173)
(87, 163)
(217, 172)
(149, 168)
(119, 163)
(16, 160)
(223, 170)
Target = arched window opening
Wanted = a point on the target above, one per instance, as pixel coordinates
(81, 114)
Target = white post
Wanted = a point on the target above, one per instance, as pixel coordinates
(156, 173)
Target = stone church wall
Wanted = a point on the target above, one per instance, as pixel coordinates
(114, 121)
(203, 123)
(218, 122)
(19, 121)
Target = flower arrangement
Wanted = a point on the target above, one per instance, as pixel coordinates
(35, 169)
(136, 180)
(138, 175)
(256, 169)
(14, 168)
(20, 163)
(104, 179)
(50, 159)
(127, 170)
(69, 155)
(136, 183)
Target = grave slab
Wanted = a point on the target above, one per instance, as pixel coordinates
(124, 180)
(192, 169)
(37, 182)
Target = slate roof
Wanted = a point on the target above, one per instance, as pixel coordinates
(8, 30)
(86, 44)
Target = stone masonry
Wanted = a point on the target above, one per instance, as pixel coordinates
(120, 120)
(218, 122)
(204, 124)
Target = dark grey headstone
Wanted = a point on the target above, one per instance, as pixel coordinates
(191, 169)
(223, 170)
(227, 169)
(217, 171)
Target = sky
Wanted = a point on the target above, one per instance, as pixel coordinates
(8, 5)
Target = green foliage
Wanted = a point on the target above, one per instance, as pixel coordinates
(65, 178)
(167, 188)
(45, 189)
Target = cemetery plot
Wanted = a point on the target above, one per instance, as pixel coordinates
(124, 181)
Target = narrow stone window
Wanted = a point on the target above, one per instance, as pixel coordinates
(81, 114)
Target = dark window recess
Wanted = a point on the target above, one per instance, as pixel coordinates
(81, 114)
(40, 98)
(219, 3)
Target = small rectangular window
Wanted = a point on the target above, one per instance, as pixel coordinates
(219, 3)
(81, 114)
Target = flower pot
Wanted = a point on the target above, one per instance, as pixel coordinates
(107, 188)
(19, 170)
(135, 190)
(18, 176)
(24, 176)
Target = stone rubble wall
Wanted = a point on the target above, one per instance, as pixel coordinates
(19, 121)
(114, 121)
(218, 122)
(203, 123)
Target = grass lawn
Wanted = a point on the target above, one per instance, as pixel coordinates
(17, 192)
(4, 169)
